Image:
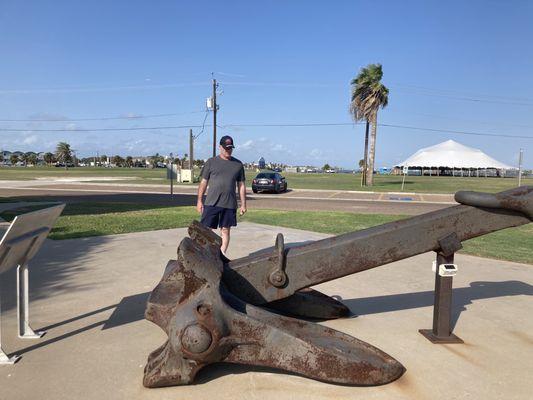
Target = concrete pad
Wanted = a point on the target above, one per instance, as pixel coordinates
(89, 294)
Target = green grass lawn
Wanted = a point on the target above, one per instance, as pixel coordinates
(392, 183)
(383, 183)
(28, 173)
(95, 219)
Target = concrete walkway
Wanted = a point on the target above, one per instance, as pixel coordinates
(89, 294)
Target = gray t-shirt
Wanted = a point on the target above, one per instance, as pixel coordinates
(222, 176)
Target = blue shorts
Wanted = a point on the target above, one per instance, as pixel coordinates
(219, 217)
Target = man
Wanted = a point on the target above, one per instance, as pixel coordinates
(222, 173)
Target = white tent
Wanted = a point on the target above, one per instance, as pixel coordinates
(450, 154)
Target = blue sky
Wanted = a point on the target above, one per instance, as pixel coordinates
(455, 65)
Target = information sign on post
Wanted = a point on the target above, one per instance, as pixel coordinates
(405, 170)
(20, 243)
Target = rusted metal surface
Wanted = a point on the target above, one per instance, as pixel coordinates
(310, 303)
(518, 199)
(205, 323)
(207, 304)
(342, 255)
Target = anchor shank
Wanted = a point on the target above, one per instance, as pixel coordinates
(335, 257)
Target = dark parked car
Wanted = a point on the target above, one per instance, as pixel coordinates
(269, 181)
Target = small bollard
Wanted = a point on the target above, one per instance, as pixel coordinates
(442, 309)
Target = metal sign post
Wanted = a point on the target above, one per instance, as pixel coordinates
(405, 170)
(20, 243)
(445, 269)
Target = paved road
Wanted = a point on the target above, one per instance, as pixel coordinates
(298, 199)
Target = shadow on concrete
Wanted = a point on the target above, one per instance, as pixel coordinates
(51, 271)
(135, 200)
(461, 297)
(130, 309)
(58, 338)
(77, 318)
(57, 261)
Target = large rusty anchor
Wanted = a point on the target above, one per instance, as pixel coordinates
(215, 310)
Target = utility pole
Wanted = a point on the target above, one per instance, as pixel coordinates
(520, 158)
(191, 154)
(170, 157)
(215, 117)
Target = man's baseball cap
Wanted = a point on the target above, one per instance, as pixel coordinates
(227, 142)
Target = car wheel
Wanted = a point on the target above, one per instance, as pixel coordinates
(254, 190)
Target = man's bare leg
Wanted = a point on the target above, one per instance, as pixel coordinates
(225, 233)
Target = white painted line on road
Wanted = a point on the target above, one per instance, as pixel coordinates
(359, 200)
(91, 190)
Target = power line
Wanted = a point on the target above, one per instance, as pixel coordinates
(134, 117)
(461, 93)
(410, 89)
(420, 90)
(99, 129)
(282, 125)
(477, 121)
(203, 126)
(383, 125)
(100, 89)
(267, 125)
(472, 99)
(456, 132)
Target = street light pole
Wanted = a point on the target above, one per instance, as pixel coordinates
(171, 156)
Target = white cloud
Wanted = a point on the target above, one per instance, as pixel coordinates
(249, 144)
(72, 126)
(48, 117)
(316, 154)
(33, 139)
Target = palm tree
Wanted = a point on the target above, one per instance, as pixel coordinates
(368, 96)
(64, 153)
(48, 158)
(118, 161)
(32, 159)
(25, 158)
(13, 159)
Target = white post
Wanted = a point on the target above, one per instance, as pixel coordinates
(25, 331)
(520, 158)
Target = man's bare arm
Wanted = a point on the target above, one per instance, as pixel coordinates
(201, 191)
(242, 195)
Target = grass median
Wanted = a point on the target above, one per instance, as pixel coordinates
(322, 181)
(95, 219)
